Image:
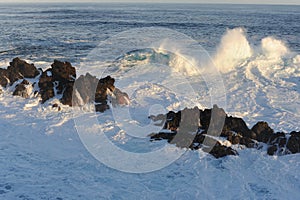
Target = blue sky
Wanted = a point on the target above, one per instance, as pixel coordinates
(295, 2)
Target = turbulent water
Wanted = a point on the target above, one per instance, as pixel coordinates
(255, 49)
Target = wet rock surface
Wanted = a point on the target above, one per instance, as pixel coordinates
(60, 79)
(21, 89)
(208, 134)
(188, 128)
(17, 69)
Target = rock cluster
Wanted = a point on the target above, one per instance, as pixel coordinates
(189, 128)
(233, 129)
(17, 69)
(60, 79)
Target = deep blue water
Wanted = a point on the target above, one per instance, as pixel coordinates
(70, 31)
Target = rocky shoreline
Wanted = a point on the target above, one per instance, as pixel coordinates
(60, 79)
(189, 128)
(232, 129)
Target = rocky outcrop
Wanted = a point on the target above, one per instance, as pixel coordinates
(233, 129)
(4, 77)
(21, 89)
(188, 128)
(17, 69)
(21, 67)
(90, 89)
(46, 85)
(60, 79)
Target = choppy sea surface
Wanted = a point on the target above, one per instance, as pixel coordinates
(70, 31)
(256, 50)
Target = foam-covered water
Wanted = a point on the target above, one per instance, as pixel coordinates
(255, 48)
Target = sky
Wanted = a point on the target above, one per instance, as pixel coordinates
(294, 2)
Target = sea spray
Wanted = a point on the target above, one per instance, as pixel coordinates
(273, 48)
(233, 50)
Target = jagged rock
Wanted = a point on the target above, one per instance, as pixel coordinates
(248, 142)
(104, 85)
(237, 125)
(67, 94)
(18, 69)
(293, 144)
(46, 85)
(4, 80)
(272, 150)
(63, 73)
(262, 131)
(172, 120)
(61, 76)
(22, 67)
(89, 89)
(101, 107)
(219, 151)
(21, 89)
(234, 130)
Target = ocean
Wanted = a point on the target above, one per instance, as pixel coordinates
(251, 66)
(69, 31)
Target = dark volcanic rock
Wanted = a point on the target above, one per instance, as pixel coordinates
(219, 151)
(186, 130)
(63, 73)
(90, 89)
(234, 130)
(3, 77)
(46, 85)
(104, 85)
(172, 120)
(67, 94)
(293, 144)
(237, 125)
(61, 76)
(101, 107)
(262, 131)
(22, 67)
(18, 69)
(21, 89)
(272, 150)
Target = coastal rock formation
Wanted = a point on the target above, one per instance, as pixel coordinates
(211, 130)
(60, 79)
(17, 69)
(21, 89)
(233, 129)
(46, 85)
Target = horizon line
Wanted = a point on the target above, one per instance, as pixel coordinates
(131, 2)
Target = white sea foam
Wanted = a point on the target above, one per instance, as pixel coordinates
(233, 50)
